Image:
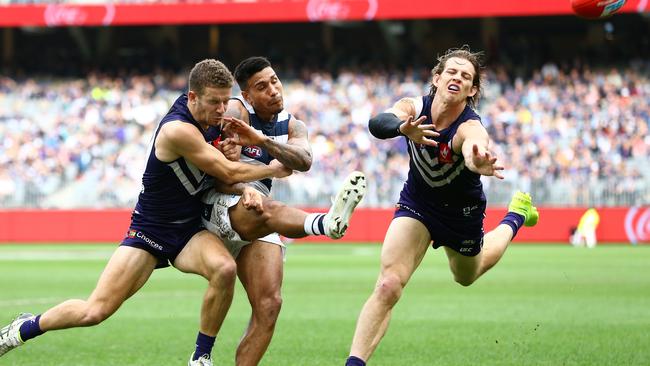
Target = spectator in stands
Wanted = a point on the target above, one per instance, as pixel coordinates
(70, 135)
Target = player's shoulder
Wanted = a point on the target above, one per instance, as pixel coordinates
(237, 107)
(296, 127)
(410, 100)
(178, 131)
(411, 106)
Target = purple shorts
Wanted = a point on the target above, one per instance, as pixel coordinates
(163, 241)
(458, 226)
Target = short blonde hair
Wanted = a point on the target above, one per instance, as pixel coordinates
(209, 73)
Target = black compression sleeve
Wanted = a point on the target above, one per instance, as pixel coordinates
(384, 126)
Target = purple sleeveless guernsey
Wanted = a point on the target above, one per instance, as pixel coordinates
(441, 192)
(168, 210)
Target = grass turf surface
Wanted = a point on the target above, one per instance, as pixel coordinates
(541, 305)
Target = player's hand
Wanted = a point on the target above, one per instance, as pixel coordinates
(242, 133)
(484, 163)
(281, 170)
(230, 149)
(417, 132)
(252, 199)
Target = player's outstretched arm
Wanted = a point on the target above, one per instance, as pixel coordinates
(474, 142)
(177, 139)
(400, 120)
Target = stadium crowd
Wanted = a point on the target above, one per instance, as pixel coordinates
(571, 136)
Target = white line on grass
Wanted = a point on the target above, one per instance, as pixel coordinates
(54, 255)
(136, 297)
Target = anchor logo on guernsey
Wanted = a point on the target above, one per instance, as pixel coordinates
(444, 153)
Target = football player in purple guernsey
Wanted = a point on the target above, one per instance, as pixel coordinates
(166, 223)
(442, 203)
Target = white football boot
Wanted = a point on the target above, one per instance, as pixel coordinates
(204, 360)
(347, 199)
(10, 335)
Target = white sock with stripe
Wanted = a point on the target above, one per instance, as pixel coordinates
(314, 224)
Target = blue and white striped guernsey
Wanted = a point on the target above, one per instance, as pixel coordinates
(277, 130)
(438, 174)
(171, 191)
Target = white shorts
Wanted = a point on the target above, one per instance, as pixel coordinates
(216, 219)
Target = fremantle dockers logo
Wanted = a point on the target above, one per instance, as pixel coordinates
(318, 10)
(444, 153)
(637, 224)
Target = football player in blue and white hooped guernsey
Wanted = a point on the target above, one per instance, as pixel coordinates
(166, 223)
(442, 202)
(252, 237)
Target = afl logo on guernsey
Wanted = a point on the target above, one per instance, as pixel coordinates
(252, 151)
(444, 153)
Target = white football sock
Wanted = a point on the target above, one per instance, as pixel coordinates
(315, 224)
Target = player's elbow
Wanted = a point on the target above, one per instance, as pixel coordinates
(229, 180)
(228, 176)
(384, 125)
(304, 165)
(374, 126)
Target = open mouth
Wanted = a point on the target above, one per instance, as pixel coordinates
(453, 88)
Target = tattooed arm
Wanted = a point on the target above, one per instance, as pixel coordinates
(296, 153)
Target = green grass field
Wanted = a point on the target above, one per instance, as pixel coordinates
(542, 305)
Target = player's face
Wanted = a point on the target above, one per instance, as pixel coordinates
(209, 107)
(264, 93)
(456, 82)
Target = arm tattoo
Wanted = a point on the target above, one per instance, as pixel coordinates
(296, 153)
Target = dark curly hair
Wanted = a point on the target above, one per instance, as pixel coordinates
(249, 67)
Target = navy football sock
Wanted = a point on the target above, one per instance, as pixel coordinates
(204, 345)
(354, 361)
(514, 220)
(30, 329)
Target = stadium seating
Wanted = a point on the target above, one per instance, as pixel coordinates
(571, 137)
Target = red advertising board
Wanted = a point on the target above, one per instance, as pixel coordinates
(261, 11)
(621, 224)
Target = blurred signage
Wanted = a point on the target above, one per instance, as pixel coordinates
(75, 15)
(319, 10)
(260, 11)
(637, 224)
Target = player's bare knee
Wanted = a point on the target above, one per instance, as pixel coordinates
(268, 308)
(223, 271)
(464, 280)
(389, 288)
(272, 206)
(96, 314)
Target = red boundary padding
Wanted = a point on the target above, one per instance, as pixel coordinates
(620, 224)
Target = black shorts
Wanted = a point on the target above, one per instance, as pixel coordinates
(164, 242)
(459, 227)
